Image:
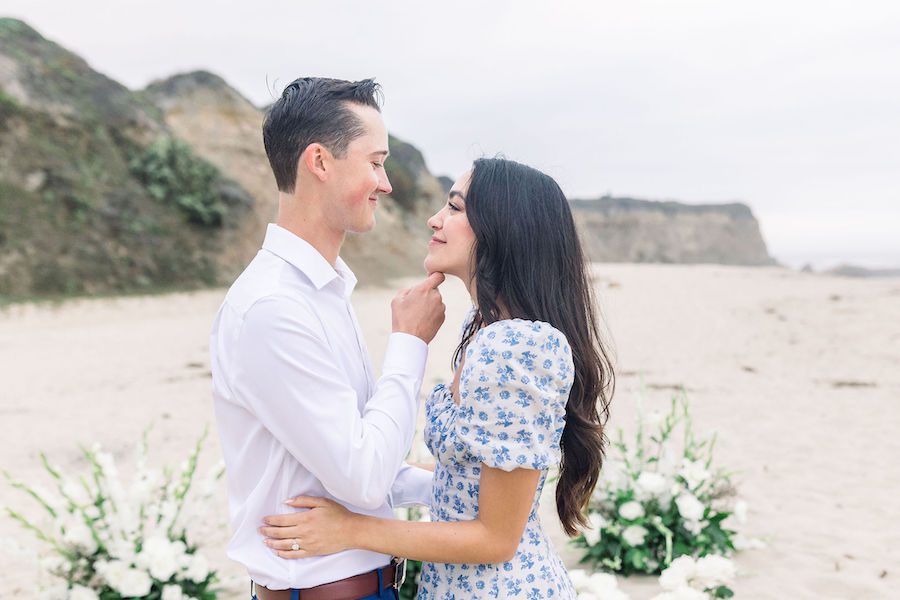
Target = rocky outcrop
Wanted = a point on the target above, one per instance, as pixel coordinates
(631, 230)
(89, 203)
(77, 214)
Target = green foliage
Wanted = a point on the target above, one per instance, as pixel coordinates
(7, 101)
(173, 174)
(649, 478)
(411, 586)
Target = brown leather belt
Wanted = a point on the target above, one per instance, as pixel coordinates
(351, 588)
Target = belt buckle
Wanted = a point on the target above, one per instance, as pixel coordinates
(399, 572)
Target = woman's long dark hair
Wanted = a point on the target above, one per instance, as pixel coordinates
(529, 264)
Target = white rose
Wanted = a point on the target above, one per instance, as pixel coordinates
(79, 536)
(121, 549)
(198, 570)
(604, 585)
(651, 485)
(134, 584)
(678, 573)
(159, 558)
(592, 534)
(55, 565)
(631, 511)
(713, 571)
(602, 582)
(634, 535)
(579, 579)
(695, 527)
(82, 593)
(694, 473)
(689, 507)
(172, 592)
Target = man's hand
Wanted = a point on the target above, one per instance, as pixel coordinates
(419, 310)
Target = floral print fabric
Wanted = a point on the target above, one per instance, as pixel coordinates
(513, 390)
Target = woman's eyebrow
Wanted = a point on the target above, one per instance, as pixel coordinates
(455, 194)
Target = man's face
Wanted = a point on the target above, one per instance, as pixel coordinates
(359, 176)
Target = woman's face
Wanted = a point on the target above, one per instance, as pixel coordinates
(450, 248)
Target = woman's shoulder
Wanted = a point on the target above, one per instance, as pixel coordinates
(524, 334)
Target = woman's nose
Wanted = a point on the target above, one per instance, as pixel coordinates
(434, 222)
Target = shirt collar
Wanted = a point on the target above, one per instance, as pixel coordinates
(301, 254)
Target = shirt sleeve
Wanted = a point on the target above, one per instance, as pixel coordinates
(513, 392)
(286, 377)
(412, 486)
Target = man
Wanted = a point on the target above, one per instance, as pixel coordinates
(297, 407)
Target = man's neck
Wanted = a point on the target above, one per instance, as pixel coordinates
(309, 226)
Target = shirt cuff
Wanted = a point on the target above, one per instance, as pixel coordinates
(412, 487)
(405, 354)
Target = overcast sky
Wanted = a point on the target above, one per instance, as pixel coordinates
(790, 107)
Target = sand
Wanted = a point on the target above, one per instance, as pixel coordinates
(798, 373)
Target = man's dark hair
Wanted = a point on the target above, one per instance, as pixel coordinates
(314, 110)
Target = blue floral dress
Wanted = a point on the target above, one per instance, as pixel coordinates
(513, 390)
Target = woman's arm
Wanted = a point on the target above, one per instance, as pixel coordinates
(504, 503)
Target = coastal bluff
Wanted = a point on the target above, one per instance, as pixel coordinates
(107, 190)
(632, 230)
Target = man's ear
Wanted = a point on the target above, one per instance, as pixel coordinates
(317, 160)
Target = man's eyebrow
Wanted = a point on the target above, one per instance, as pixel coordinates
(385, 152)
(456, 194)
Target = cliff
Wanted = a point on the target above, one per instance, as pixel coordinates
(631, 230)
(96, 195)
(104, 189)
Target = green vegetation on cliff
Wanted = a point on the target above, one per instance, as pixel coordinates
(95, 196)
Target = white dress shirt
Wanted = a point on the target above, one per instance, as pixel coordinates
(299, 411)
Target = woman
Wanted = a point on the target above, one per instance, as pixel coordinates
(529, 373)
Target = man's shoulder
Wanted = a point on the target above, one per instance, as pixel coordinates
(269, 287)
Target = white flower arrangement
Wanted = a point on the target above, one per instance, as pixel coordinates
(106, 541)
(659, 501)
(596, 586)
(701, 579)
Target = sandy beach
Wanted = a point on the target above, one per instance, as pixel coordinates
(798, 373)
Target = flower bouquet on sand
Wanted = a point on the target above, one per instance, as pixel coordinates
(660, 498)
(104, 540)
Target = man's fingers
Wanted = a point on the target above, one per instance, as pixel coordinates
(433, 280)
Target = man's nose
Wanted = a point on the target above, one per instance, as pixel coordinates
(384, 185)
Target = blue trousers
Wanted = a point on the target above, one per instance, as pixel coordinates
(384, 594)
